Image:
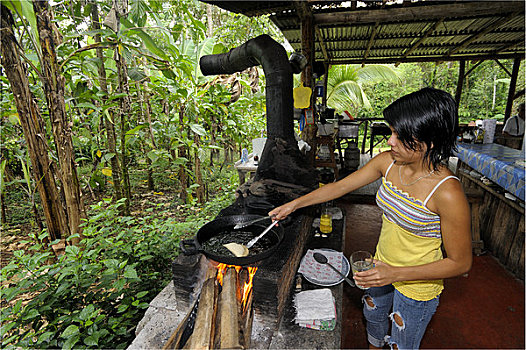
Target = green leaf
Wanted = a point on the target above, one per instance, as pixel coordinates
(68, 344)
(141, 294)
(198, 129)
(44, 337)
(25, 9)
(17, 306)
(13, 119)
(130, 272)
(122, 308)
(117, 96)
(137, 128)
(6, 328)
(136, 74)
(92, 340)
(107, 157)
(31, 314)
(143, 306)
(2, 170)
(183, 92)
(146, 39)
(87, 312)
(87, 105)
(72, 250)
(71, 331)
(219, 48)
(119, 284)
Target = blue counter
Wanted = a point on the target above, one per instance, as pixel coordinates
(500, 164)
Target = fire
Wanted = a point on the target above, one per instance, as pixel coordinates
(247, 286)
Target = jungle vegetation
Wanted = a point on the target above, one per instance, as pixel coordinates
(114, 146)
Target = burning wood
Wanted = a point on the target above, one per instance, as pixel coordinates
(223, 318)
(229, 312)
(204, 322)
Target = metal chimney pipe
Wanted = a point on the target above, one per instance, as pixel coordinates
(264, 51)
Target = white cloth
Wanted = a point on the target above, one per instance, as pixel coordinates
(316, 304)
(511, 126)
(310, 268)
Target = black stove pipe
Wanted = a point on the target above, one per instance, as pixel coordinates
(264, 51)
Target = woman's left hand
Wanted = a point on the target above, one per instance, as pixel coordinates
(380, 275)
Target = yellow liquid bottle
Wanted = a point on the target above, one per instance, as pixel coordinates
(326, 223)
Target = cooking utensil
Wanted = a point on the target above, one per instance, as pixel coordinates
(218, 226)
(322, 259)
(241, 250)
(251, 222)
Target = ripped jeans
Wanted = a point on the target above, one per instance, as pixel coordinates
(409, 317)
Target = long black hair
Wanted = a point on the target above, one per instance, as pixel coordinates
(426, 116)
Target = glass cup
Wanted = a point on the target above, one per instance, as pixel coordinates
(325, 221)
(361, 260)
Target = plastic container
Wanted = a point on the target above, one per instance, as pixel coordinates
(258, 145)
(348, 130)
(489, 126)
(351, 157)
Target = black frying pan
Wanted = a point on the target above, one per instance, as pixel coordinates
(225, 226)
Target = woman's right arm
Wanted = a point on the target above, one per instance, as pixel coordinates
(365, 175)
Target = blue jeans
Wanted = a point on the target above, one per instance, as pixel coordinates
(409, 318)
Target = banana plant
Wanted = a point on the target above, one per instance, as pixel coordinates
(344, 85)
(29, 187)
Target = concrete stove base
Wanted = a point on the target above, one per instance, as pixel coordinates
(169, 308)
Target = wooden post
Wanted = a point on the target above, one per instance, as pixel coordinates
(307, 49)
(460, 83)
(513, 84)
(325, 80)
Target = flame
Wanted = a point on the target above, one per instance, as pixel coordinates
(248, 285)
(247, 288)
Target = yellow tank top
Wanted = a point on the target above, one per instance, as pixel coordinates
(398, 247)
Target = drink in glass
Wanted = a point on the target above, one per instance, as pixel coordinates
(361, 261)
(325, 221)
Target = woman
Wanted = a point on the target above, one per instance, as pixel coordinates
(424, 207)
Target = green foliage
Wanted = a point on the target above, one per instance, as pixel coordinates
(94, 294)
(344, 85)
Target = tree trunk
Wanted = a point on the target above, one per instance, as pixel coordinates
(54, 88)
(182, 151)
(3, 209)
(124, 111)
(214, 154)
(111, 143)
(210, 23)
(34, 131)
(200, 191)
(142, 91)
(124, 102)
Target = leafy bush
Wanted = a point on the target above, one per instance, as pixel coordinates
(94, 294)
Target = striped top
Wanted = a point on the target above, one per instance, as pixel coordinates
(407, 212)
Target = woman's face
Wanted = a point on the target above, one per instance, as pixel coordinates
(401, 153)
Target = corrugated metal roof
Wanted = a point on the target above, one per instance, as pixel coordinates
(389, 32)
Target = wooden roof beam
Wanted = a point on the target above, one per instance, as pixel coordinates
(322, 43)
(358, 60)
(303, 10)
(482, 33)
(421, 40)
(503, 68)
(508, 47)
(413, 13)
(370, 43)
(373, 35)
